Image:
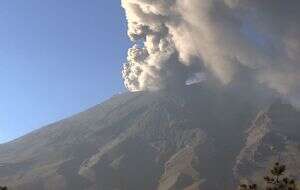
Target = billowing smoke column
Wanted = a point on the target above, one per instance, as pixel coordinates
(176, 39)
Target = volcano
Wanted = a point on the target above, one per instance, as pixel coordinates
(195, 138)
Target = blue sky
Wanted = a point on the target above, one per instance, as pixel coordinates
(57, 58)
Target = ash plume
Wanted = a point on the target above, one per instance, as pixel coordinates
(176, 39)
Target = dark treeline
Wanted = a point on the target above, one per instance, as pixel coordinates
(276, 180)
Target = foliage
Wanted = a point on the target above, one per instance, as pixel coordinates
(276, 181)
(3, 188)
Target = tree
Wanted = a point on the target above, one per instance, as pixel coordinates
(3, 188)
(276, 181)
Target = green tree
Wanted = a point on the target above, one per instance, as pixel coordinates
(275, 181)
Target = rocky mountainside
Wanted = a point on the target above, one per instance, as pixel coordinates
(194, 138)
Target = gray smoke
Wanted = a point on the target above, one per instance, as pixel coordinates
(176, 39)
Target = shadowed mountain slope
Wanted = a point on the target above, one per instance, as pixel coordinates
(192, 138)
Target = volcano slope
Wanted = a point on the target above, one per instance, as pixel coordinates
(189, 139)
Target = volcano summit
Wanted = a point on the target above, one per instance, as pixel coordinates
(198, 138)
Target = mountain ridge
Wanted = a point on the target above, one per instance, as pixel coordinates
(197, 137)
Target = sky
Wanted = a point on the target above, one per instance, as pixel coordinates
(57, 58)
